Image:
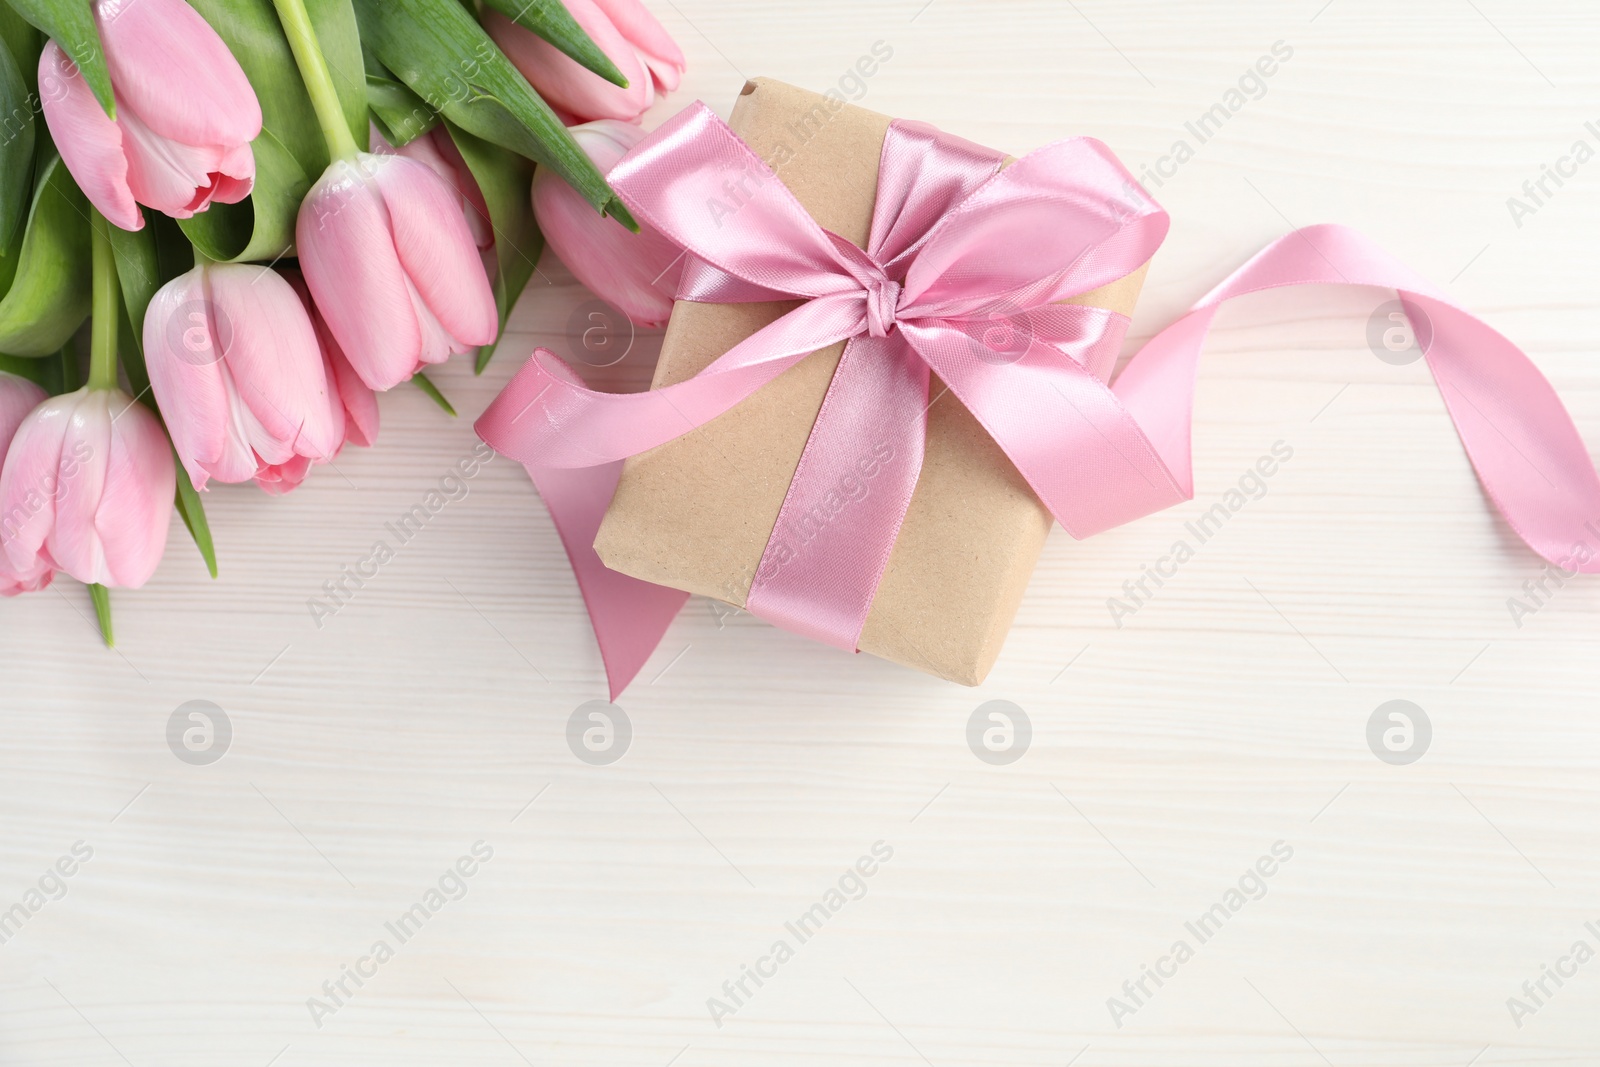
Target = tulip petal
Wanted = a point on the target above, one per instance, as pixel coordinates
(356, 404)
(562, 81)
(74, 540)
(18, 397)
(135, 506)
(184, 357)
(437, 344)
(636, 273)
(13, 584)
(29, 485)
(170, 66)
(279, 478)
(437, 251)
(235, 175)
(438, 152)
(350, 265)
(360, 402)
(273, 359)
(656, 46)
(458, 174)
(90, 143)
(176, 178)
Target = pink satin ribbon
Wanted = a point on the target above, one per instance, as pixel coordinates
(961, 277)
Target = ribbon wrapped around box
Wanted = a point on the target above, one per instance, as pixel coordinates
(889, 368)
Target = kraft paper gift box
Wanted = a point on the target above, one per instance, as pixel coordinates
(695, 514)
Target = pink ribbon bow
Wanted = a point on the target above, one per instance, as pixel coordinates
(962, 277)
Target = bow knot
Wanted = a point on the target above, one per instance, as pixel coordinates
(883, 300)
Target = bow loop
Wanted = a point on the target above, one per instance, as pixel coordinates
(1061, 221)
(700, 186)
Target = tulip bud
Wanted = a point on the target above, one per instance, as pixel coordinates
(637, 273)
(87, 489)
(240, 379)
(629, 36)
(393, 268)
(186, 114)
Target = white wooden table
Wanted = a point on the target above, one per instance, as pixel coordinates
(1167, 755)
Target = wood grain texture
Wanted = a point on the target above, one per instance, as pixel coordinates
(1167, 755)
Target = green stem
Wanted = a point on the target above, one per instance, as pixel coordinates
(318, 79)
(102, 611)
(106, 307)
(67, 365)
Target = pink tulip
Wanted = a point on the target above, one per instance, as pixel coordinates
(87, 489)
(628, 34)
(635, 272)
(439, 152)
(186, 114)
(18, 396)
(394, 270)
(236, 369)
(360, 403)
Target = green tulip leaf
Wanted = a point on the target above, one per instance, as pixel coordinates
(551, 20)
(423, 382)
(71, 23)
(504, 178)
(16, 145)
(147, 260)
(37, 371)
(438, 49)
(12, 250)
(193, 514)
(400, 114)
(24, 43)
(290, 153)
(49, 297)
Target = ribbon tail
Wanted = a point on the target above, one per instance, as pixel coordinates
(1519, 437)
(1067, 434)
(848, 497)
(1528, 455)
(630, 616)
(546, 416)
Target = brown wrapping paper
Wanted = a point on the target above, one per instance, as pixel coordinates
(695, 514)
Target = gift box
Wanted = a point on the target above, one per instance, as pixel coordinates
(696, 513)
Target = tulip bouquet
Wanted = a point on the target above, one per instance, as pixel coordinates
(226, 225)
